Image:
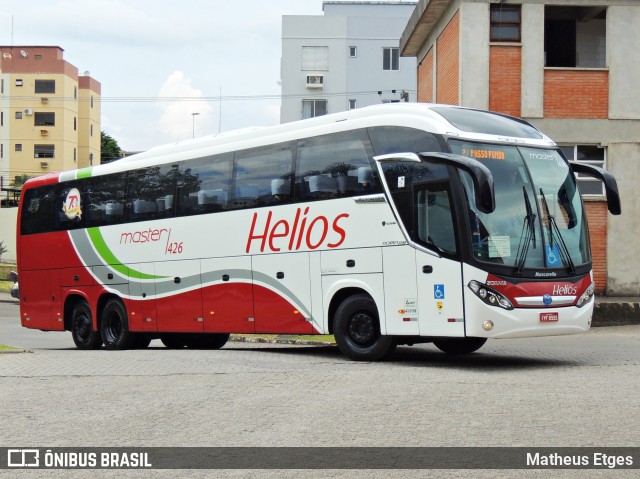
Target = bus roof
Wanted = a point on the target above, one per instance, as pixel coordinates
(449, 120)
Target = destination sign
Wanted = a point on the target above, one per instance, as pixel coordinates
(484, 153)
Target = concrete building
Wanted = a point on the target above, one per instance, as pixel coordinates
(570, 68)
(49, 115)
(346, 58)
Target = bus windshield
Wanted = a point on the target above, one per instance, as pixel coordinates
(538, 221)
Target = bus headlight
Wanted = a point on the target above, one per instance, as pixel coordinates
(489, 296)
(586, 296)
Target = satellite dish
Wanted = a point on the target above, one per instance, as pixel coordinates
(23, 53)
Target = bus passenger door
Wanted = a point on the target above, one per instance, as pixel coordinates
(440, 303)
(179, 296)
(227, 295)
(282, 293)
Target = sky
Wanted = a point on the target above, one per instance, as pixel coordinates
(146, 53)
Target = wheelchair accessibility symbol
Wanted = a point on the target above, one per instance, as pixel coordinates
(552, 255)
(438, 291)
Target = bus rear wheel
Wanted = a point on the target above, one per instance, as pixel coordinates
(459, 345)
(82, 331)
(356, 327)
(114, 326)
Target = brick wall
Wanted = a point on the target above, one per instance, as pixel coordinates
(597, 219)
(576, 93)
(505, 79)
(425, 79)
(448, 63)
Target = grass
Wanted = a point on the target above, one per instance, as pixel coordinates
(4, 347)
(5, 286)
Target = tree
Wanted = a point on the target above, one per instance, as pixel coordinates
(110, 151)
(3, 249)
(20, 180)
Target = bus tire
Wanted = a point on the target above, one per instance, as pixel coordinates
(459, 345)
(82, 331)
(207, 341)
(114, 326)
(173, 340)
(356, 327)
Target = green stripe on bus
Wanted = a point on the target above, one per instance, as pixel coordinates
(84, 172)
(109, 258)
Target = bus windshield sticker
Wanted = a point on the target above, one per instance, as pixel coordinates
(400, 181)
(499, 247)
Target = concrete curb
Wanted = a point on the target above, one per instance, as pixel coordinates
(616, 313)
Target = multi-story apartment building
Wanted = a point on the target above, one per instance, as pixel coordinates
(347, 58)
(570, 68)
(49, 115)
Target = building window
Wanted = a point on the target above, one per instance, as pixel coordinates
(18, 82)
(592, 155)
(91, 134)
(44, 151)
(390, 59)
(1, 150)
(315, 58)
(313, 108)
(1, 118)
(352, 104)
(575, 37)
(45, 86)
(353, 52)
(18, 115)
(91, 101)
(38, 57)
(505, 23)
(44, 119)
(75, 124)
(75, 155)
(18, 146)
(75, 92)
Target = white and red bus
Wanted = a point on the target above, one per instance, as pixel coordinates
(386, 225)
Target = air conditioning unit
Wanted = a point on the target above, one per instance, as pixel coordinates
(315, 81)
(44, 164)
(44, 99)
(44, 132)
(28, 111)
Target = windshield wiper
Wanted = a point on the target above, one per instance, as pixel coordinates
(553, 228)
(528, 234)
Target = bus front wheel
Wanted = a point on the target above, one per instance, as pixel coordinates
(459, 345)
(114, 326)
(356, 327)
(82, 331)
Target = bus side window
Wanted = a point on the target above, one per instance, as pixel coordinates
(37, 210)
(204, 184)
(335, 165)
(106, 199)
(262, 176)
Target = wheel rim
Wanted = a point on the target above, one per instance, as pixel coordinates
(83, 327)
(113, 328)
(362, 329)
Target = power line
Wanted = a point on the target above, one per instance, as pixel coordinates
(220, 98)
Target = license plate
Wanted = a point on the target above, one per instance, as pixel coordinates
(548, 317)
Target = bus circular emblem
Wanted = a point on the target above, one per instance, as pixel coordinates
(71, 205)
(547, 299)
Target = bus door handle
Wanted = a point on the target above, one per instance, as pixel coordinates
(427, 269)
(225, 277)
(351, 263)
(280, 275)
(177, 280)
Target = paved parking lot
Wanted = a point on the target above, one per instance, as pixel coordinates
(563, 391)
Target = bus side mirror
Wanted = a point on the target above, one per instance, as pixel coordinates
(480, 175)
(610, 184)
